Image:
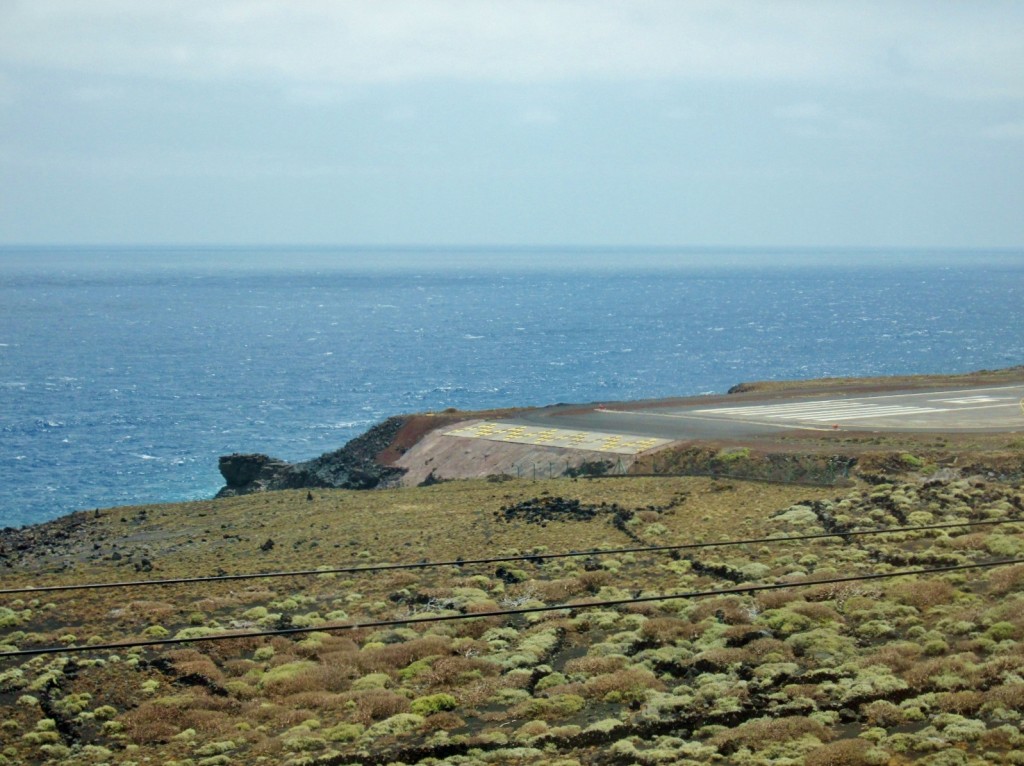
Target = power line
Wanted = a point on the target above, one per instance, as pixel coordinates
(505, 612)
(494, 560)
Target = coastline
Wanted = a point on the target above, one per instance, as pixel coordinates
(329, 651)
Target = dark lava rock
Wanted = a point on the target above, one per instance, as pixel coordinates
(51, 541)
(354, 466)
(541, 510)
(249, 473)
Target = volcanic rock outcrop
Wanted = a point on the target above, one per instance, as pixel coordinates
(354, 466)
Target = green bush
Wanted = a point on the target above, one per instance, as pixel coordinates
(401, 723)
(344, 732)
(433, 703)
(558, 706)
(1001, 631)
(284, 673)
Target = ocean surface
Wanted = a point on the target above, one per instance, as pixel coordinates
(125, 373)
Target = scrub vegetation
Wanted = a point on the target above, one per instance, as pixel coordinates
(926, 669)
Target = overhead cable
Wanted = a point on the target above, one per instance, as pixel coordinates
(414, 620)
(529, 557)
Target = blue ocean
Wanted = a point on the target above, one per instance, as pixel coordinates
(125, 373)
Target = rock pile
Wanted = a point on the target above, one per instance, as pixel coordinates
(540, 510)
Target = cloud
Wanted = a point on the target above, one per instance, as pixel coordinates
(1011, 131)
(99, 93)
(804, 111)
(813, 119)
(8, 90)
(181, 163)
(961, 49)
(539, 116)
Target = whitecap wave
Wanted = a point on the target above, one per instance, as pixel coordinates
(342, 425)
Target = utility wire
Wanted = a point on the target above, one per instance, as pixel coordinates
(505, 612)
(495, 560)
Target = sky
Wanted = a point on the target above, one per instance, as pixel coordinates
(746, 123)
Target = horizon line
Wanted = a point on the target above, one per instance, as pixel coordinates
(509, 247)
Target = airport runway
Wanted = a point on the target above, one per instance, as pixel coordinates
(990, 409)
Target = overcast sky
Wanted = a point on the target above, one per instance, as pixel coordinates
(527, 122)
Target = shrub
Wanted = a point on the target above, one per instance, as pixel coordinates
(586, 666)
(630, 685)
(396, 725)
(12, 680)
(817, 611)
(105, 712)
(344, 732)
(444, 722)
(216, 748)
(755, 734)
(549, 681)
(449, 671)
(1005, 579)
(282, 679)
(383, 658)
(872, 681)
(557, 706)
(195, 632)
(606, 726)
(1003, 545)
(846, 752)
(416, 669)
(9, 618)
(822, 642)
(785, 621)
(378, 704)
(434, 703)
(1008, 695)
(372, 681)
(883, 713)
(961, 702)
(1001, 631)
(955, 728)
(662, 706)
(923, 595)
(531, 729)
(730, 610)
(911, 461)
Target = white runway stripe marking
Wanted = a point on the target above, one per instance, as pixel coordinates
(792, 407)
(888, 412)
(820, 412)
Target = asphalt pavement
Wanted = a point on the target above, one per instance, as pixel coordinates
(988, 409)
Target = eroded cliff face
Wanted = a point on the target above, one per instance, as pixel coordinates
(354, 466)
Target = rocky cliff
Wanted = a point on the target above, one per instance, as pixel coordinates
(354, 466)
